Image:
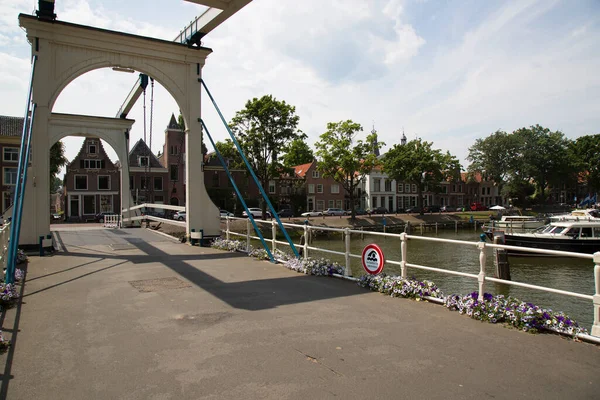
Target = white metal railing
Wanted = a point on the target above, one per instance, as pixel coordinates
(127, 218)
(483, 247)
(112, 221)
(4, 237)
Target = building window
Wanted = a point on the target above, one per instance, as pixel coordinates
(315, 174)
(7, 200)
(272, 189)
(444, 189)
(388, 185)
(145, 183)
(319, 188)
(215, 180)
(374, 201)
(407, 188)
(311, 188)
(10, 154)
(158, 183)
(131, 182)
(414, 188)
(460, 188)
(331, 203)
(376, 185)
(338, 203)
(400, 188)
(454, 188)
(174, 173)
(335, 188)
(174, 150)
(89, 205)
(103, 182)
(10, 176)
(144, 161)
(320, 205)
(489, 190)
(91, 164)
(81, 182)
(159, 199)
(106, 205)
(92, 148)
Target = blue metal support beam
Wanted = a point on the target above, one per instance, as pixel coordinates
(13, 245)
(239, 195)
(262, 190)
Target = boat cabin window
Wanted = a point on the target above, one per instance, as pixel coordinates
(597, 232)
(574, 232)
(586, 232)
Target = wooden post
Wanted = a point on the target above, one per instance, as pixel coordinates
(501, 260)
(455, 226)
(436, 228)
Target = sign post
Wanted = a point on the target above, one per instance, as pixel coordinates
(373, 259)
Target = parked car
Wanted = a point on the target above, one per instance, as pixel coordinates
(312, 214)
(285, 213)
(225, 213)
(334, 211)
(432, 208)
(100, 217)
(447, 209)
(179, 216)
(256, 213)
(379, 210)
(478, 207)
(358, 211)
(413, 210)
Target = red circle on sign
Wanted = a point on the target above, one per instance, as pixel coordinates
(372, 259)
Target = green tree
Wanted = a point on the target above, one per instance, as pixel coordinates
(298, 153)
(585, 156)
(544, 156)
(229, 152)
(55, 184)
(264, 128)
(57, 161)
(418, 163)
(345, 160)
(495, 157)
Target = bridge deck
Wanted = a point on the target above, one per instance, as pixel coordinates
(132, 314)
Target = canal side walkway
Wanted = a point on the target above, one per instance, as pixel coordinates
(131, 314)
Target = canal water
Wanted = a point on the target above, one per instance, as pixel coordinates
(570, 274)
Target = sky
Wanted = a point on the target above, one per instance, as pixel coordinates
(445, 71)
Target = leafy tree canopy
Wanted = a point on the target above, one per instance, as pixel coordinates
(229, 152)
(57, 161)
(585, 155)
(265, 128)
(297, 153)
(495, 156)
(345, 160)
(418, 163)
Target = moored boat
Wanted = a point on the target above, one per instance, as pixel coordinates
(573, 236)
(589, 214)
(515, 223)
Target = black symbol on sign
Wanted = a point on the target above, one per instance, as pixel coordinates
(372, 256)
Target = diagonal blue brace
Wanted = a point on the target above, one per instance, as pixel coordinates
(239, 195)
(262, 190)
(13, 245)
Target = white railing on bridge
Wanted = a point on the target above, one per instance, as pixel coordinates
(145, 217)
(483, 247)
(4, 238)
(112, 221)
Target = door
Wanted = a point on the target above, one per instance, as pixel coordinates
(74, 206)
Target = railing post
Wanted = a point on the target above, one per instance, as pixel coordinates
(348, 271)
(273, 235)
(306, 233)
(227, 232)
(248, 228)
(403, 251)
(596, 326)
(481, 276)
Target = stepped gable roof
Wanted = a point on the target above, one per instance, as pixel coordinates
(301, 170)
(11, 126)
(141, 149)
(173, 123)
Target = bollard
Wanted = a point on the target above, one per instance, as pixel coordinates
(455, 226)
(436, 228)
(192, 237)
(421, 228)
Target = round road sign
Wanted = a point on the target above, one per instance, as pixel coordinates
(372, 259)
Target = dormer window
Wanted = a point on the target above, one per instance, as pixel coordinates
(92, 148)
(315, 174)
(143, 161)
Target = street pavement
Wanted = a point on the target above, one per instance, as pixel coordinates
(130, 314)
